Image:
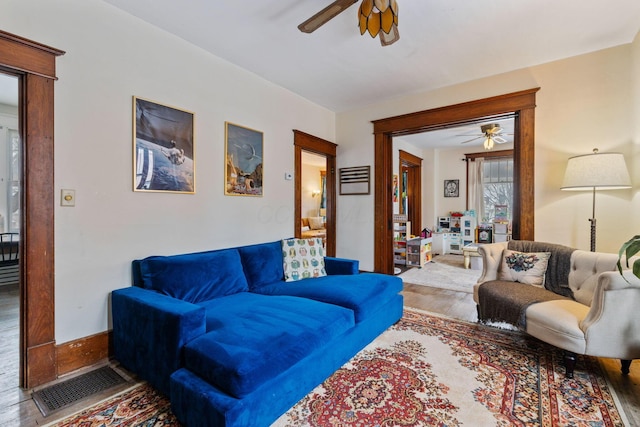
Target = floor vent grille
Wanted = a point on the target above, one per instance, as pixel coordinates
(66, 393)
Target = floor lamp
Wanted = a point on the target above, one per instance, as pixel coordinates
(597, 171)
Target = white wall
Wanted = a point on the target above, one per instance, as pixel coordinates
(110, 57)
(584, 102)
(634, 162)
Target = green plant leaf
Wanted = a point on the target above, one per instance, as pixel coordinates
(628, 249)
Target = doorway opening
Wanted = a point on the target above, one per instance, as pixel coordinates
(34, 65)
(10, 224)
(312, 147)
(411, 190)
(520, 104)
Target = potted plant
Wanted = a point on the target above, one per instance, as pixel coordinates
(629, 249)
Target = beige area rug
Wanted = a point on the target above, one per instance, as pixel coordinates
(445, 272)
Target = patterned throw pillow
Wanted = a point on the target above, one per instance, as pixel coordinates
(524, 267)
(303, 259)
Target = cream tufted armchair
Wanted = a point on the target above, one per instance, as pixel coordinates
(600, 319)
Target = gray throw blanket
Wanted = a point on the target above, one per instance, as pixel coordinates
(502, 301)
(557, 277)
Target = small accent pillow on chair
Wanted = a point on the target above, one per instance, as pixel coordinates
(316, 223)
(303, 259)
(524, 267)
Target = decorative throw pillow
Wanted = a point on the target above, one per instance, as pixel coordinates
(316, 223)
(524, 267)
(303, 259)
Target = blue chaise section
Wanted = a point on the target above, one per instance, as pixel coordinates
(231, 343)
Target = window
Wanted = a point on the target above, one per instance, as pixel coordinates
(497, 185)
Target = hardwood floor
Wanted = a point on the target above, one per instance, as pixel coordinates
(18, 409)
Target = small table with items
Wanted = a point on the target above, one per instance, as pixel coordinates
(471, 251)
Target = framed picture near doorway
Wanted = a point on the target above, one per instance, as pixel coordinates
(243, 164)
(163, 148)
(451, 188)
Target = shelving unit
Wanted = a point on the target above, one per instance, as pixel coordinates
(401, 231)
(419, 251)
(501, 232)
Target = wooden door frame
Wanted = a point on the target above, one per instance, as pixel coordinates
(414, 188)
(304, 142)
(34, 64)
(521, 103)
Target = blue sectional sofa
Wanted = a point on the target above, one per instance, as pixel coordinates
(234, 344)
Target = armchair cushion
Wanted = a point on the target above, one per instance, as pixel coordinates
(558, 268)
(316, 223)
(524, 267)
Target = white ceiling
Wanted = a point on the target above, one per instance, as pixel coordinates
(468, 135)
(442, 42)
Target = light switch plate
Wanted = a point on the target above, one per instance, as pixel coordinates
(67, 197)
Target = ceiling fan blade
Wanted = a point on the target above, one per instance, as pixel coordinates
(472, 139)
(325, 15)
(499, 139)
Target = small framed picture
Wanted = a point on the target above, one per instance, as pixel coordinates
(451, 188)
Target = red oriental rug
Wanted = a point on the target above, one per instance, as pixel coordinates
(425, 371)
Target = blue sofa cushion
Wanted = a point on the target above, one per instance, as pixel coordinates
(363, 293)
(252, 338)
(262, 264)
(195, 277)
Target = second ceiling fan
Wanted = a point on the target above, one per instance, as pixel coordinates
(378, 17)
(491, 133)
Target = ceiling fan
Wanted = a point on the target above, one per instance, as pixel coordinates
(378, 17)
(491, 132)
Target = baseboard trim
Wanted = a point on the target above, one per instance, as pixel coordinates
(83, 352)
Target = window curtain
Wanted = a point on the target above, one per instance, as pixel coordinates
(476, 192)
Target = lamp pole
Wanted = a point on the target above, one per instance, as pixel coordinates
(593, 222)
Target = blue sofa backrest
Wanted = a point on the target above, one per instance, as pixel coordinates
(221, 271)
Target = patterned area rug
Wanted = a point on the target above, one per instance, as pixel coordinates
(425, 371)
(445, 272)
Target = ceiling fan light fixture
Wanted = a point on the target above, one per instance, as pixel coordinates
(379, 17)
(488, 143)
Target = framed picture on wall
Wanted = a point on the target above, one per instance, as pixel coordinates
(244, 162)
(451, 188)
(163, 148)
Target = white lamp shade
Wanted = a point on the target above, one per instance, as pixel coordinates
(599, 171)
